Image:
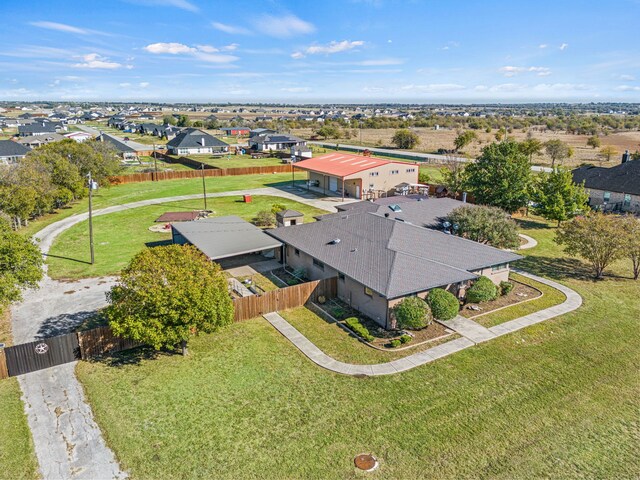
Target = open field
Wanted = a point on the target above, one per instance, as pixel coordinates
(431, 140)
(119, 236)
(233, 161)
(556, 400)
(132, 192)
(17, 458)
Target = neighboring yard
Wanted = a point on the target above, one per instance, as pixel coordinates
(119, 236)
(17, 458)
(556, 400)
(234, 161)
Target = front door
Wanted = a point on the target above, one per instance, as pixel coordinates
(333, 184)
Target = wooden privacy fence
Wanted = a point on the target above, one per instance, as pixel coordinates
(102, 341)
(218, 172)
(284, 298)
(4, 373)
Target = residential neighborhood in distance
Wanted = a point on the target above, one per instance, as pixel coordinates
(297, 240)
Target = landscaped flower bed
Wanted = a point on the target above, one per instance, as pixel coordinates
(520, 293)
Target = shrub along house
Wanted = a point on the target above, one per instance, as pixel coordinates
(380, 259)
(612, 189)
(193, 141)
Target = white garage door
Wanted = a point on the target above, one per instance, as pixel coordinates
(333, 184)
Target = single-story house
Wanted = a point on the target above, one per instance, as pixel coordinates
(356, 176)
(275, 141)
(43, 128)
(79, 136)
(128, 150)
(612, 189)
(234, 131)
(227, 238)
(11, 152)
(380, 260)
(193, 141)
(261, 131)
(34, 141)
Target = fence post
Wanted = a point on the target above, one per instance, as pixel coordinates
(4, 373)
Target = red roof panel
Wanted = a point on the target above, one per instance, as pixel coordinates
(341, 164)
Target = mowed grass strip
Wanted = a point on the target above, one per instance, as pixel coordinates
(555, 400)
(119, 236)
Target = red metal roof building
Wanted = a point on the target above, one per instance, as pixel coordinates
(356, 176)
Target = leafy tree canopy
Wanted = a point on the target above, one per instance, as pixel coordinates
(556, 197)
(405, 139)
(489, 225)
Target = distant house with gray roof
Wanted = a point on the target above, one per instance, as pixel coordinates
(275, 141)
(381, 256)
(193, 141)
(11, 152)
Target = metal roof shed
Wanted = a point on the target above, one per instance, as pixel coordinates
(223, 237)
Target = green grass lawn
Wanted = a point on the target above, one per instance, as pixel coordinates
(133, 192)
(147, 164)
(556, 400)
(119, 236)
(550, 297)
(17, 458)
(235, 161)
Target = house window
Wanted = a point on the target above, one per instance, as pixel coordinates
(371, 185)
(341, 276)
(296, 251)
(395, 172)
(374, 174)
(627, 200)
(606, 197)
(411, 170)
(318, 264)
(368, 291)
(497, 268)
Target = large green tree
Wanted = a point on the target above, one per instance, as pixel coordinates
(530, 147)
(558, 151)
(464, 139)
(630, 229)
(405, 139)
(167, 294)
(556, 197)
(489, 225)
(500, 177)
(596, 237)
(20, 264)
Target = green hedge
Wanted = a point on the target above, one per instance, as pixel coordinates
(483, 290)
(412, 312)
(505, 287)
(354, 324)
(444, 305)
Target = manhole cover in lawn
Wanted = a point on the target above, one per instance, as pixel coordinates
(366, 462)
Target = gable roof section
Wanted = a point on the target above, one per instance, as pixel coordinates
(222, 237)
(9, 148)
(192, 138)
(45, 127)
(623, 178)
(391, 257)
(119, 145)
(341, 164)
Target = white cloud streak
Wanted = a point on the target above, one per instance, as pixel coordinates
(230, 29)
(60, 27)
(328, 49)
(205, 53)
(283, 26)
(511, 71)
(95, 61)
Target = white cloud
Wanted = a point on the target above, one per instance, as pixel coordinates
(543, 45)
(124, 85)
(182, 4)
(626, 78)
(95, 61)
(511, 71)
(433, 87)
(230, 48)
(563, 46)
(205, 53)
(381, 62)
(296, 89)
(627, 88)
(60, 27)
(560, 87)
(144, 84)
(231, 29)
(450, 45)
(331, 47)
(283, 26)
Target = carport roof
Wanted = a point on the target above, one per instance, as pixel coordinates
(223, 237)
(341, 164)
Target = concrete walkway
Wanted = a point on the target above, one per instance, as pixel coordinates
(531, 242)
(476, 334)
(68, 442)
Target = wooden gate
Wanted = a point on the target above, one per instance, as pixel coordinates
(49, 352)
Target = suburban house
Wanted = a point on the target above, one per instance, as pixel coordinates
(227, 239)
(261, 131)
(192, 141)
(356, 176)
(11, 152)
(79, 136)
(44, 128)
(34, 141)
(275, 141)
(234, 131)
(612, 189)
(129, 151)
(380, 259)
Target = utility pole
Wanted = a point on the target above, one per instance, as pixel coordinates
(155, 161)
(204, 187)
(91, 188)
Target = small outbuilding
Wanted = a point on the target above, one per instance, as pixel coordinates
(286, 218)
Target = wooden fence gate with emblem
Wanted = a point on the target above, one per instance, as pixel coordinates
(45, 353)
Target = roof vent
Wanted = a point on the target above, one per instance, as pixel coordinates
(395, 207)
(335, 241)
(203, 141)
(386, 215)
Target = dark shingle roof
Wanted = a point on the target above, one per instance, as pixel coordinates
(393, 258)
(117, 143)
(10, 148)
(289, 214)
(623, 178)
(37, 128)
(192, 138)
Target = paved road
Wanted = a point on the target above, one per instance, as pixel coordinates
(417, 156)
(472, 334)
(67, 440)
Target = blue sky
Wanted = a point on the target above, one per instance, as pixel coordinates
(330, 51)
